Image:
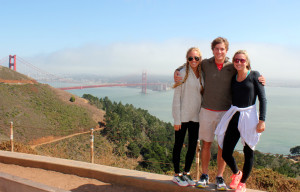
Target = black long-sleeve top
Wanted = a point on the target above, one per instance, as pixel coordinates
(244, 93)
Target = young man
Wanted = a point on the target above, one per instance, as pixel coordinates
(217, 74)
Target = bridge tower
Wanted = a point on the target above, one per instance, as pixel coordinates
(144, 82)
(12, 64)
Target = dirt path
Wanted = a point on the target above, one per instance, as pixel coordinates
(52, 140)
(63, 181)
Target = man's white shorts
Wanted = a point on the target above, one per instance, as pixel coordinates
(209, 120)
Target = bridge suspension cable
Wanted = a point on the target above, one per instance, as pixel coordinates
(44, 76)
(3, 60)
(40, 71)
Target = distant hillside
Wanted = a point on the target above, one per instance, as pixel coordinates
(10, 76)
(39, 111)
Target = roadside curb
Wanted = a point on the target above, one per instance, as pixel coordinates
(139, 179)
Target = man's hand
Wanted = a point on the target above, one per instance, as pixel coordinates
(177, 77)
(260, 79)
(177, 127)
(260, 126)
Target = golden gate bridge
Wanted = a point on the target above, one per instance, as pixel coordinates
(40, 75)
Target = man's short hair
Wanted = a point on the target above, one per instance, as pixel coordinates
(218, 41)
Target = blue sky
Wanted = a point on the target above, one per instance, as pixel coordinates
(129, 36)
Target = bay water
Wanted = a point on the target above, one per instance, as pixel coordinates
(282, 121)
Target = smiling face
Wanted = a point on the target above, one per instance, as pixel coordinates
(240, 62)
(192, 58)
(220, 52)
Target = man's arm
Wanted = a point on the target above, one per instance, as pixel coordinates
(261, 79)
(177, 77)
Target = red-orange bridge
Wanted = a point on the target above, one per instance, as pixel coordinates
(143, 85)
(42, 76)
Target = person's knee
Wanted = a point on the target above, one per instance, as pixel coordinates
(220, 149)
(206, 145)
(249, 153)
(220, 152)
(225, 156)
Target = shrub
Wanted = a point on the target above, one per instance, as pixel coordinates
(72, 99)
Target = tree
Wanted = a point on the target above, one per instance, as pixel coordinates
(135, 132)
(134, 150)
(295, 150)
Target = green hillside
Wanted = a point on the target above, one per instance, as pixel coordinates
(37, 111)
(8, 74)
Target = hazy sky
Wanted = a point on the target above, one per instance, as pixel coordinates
(129, 36)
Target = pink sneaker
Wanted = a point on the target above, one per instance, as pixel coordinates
(236, 178)
(241, 187)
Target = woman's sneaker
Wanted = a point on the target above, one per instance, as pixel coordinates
(236, 178)
(241, 187)
(187, 178)
(203, 182)
(221, 186)
(179, 180)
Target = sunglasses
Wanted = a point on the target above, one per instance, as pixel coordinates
(239, 60)
(196, 58)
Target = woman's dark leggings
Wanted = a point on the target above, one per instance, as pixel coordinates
(231, 138)
(193, 131)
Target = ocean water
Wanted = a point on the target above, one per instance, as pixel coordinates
(282, 122)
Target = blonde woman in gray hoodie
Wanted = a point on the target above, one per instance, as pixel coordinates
(186, 109)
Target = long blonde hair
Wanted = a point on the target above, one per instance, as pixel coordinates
(188, 67)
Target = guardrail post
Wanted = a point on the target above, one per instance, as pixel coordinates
(11, 137)
(92, 145)
(198, 149)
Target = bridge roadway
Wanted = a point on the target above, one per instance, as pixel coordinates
(119, 179)
(109, 85)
